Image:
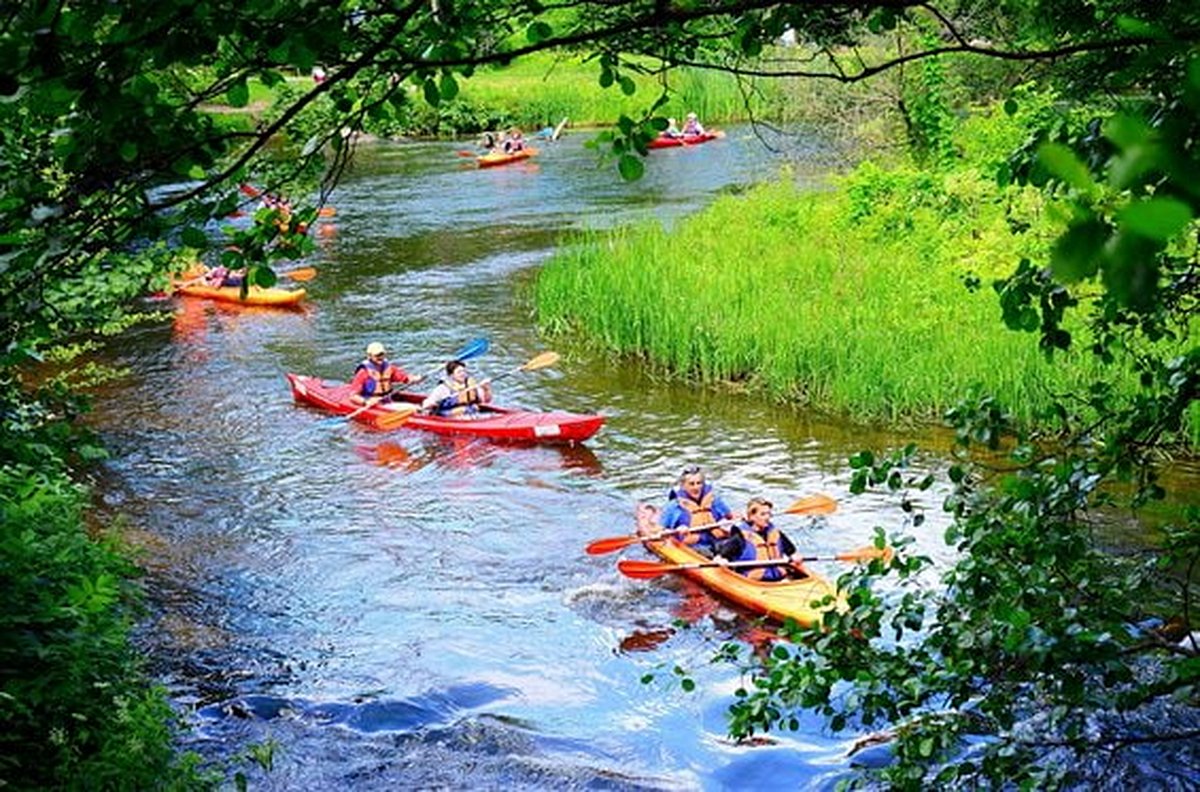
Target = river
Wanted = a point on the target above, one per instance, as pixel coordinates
(407, 611)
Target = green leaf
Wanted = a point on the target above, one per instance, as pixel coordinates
(432, 95)
(1077, 253)
(606, 77)
(1061, 161)
(193, 237)
(128, 151)
(628, 86)
(238, 94)
(1010, 106)
(1156, 218)
(538, 31)
(448, 87)
(1127, 130)
(631, 167)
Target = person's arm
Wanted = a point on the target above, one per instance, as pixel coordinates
(435, 396)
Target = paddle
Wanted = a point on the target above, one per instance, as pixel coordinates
(644, 570)
(304, 274)
(544, 360)
(813, 504)
(395, 418)
(469, 350)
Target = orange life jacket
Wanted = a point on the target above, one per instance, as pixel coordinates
(700, 513)
(381, 380)
(462, 409)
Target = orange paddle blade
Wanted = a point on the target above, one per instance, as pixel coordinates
(813, 504)
(544, 360)
(868, 553)
(644, 570)
(611, 544)
(303, 274)
(395, 418)
(326, 211)
(250, 190)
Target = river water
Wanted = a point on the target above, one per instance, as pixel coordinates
(407, 611)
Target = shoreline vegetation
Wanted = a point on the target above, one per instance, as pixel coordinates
(873, 300)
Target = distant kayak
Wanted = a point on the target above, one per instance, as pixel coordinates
(494, 423)
(255, 295)
(667, 141)
(500, 158)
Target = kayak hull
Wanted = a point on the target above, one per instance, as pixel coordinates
(495, 423)
(500, 158)
(664, 141)
(256, 295)
(790, 599)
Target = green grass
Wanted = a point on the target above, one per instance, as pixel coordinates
(849, 301)
(542, 89)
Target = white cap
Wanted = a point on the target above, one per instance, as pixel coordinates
(375, 348)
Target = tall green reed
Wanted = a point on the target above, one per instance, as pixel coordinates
(850, 301)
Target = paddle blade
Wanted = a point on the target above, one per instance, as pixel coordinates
(544, 360)
(644, 570)
(393, 419)
(465, 153)
(473, 349)
(304, 274)
(813, 504)
(868, 553)
(327, 211)
(611, 544)
(250, 190)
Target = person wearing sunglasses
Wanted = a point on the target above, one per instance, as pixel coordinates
(693, 502)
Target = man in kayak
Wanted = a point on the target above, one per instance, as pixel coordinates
(692, 126)
(376, 376)
(458, 395)
(694, 503)
(757, 539)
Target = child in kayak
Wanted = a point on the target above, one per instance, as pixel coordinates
(672, 130)
(376, 376)
(458, 395)
(694, 503)
(220, 276)
(757, 539)
(691, 126)
(513, 141)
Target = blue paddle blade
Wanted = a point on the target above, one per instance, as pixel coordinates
(473, 349)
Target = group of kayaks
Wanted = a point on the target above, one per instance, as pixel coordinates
(495, 158)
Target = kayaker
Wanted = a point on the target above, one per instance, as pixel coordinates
(694, 502)
(220, 276)
(692, 126)
(757, 539)
(458, 395)
(376, 376)
(672, 130)
(513, 141)
(488, 141)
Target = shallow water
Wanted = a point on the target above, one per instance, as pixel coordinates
(409, 611)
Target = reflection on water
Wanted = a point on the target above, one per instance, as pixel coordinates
(407, 610)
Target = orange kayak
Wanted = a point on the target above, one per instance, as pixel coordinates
(787, 599)
(500, 158)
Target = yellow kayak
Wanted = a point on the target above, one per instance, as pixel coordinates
(787, 599)
(256, 295)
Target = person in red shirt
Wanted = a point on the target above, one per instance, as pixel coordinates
(376, 377)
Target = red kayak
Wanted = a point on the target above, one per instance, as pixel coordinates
(495, 423)
(666, 141)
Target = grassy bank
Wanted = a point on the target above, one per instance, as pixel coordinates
(851, 301)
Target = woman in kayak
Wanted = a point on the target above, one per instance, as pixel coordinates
(458, 395)
(757, 539)
(220, 276)
(692, 126)
(694, 503)
(513, 141)
(672, 130)
(376, 376)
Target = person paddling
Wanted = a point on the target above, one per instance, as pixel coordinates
(694, 502)
(376, 376)
(757, 539)
(458, 395)
(692, 126)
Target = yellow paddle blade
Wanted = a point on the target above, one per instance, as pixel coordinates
(869, 553)
(544, 360)
(813, 504)
(303, 274)
(393, 419)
